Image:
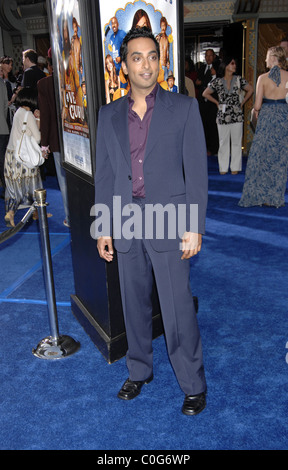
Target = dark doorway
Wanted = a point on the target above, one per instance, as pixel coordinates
(223, 38)
(233, 44)
(200, 37)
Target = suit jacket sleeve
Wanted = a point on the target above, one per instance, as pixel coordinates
(195, 168)
(104, 175)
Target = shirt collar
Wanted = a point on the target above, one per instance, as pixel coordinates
(151, 95)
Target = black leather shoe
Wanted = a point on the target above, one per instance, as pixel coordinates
(131, 389)
(194, 404)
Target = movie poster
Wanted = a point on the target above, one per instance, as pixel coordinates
(117, 18)
(68, 50)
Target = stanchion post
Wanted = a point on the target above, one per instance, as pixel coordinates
(54, 346)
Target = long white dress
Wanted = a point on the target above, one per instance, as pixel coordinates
(20, 180)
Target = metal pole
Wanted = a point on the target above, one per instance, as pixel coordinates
(54, 346)
(47, 262)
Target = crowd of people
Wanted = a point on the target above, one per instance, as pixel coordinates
(222, 94)
(30, 92)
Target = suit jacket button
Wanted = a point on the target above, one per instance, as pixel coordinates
(129, 177)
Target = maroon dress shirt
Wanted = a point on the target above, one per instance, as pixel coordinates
(138, 134)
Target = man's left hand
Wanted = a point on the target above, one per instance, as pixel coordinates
(191, 244)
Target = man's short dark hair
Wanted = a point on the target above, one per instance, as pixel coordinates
(32, 55)
(136, 33)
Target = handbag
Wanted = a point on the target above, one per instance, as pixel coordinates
(27, 150)
(253, 120)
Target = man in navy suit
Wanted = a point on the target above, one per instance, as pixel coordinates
(151, 162)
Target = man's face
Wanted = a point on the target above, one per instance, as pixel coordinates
(209, 57)
(114, 24)
(142, 64)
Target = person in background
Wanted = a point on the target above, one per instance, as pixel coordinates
(190, 88)
(32, 74)
(190, 75)
(6, 66)
(266, 172)
(21, 181)
(208, 110)
(190, 70)
(42, 64)
(230, 117)
(4, 129)
(49, 132)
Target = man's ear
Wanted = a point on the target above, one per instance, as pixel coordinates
(123, 65)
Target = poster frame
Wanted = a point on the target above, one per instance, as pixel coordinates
(89, 17)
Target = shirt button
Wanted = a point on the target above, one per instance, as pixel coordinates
(140, 161)
(129, 177)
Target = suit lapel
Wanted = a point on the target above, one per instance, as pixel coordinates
(120, 124)
(161, 120)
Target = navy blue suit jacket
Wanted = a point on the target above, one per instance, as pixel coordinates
(175, 163)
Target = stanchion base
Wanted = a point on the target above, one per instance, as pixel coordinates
(52, 349)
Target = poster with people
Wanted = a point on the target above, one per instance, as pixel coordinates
(68, 51)
(117, 18)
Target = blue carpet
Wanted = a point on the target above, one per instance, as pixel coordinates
(240, 278)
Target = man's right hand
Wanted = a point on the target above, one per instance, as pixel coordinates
(105, 248)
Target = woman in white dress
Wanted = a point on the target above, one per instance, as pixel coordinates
(20, 180)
